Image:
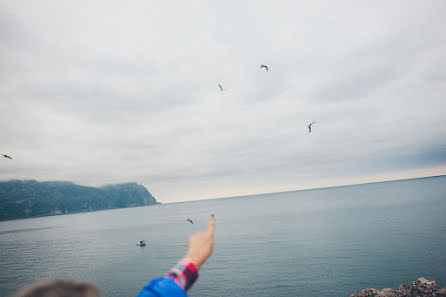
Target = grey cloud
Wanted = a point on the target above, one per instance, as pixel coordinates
(100, 93)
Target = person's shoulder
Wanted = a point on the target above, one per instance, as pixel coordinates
(162, 287)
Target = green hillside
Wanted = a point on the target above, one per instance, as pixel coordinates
(24, 199)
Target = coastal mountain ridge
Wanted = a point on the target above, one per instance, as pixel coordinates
(30, 198)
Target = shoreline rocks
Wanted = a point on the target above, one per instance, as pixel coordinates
(419, 288)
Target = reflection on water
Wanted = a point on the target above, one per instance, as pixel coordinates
(25, 230)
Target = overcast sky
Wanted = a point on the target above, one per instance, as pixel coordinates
(100, 92)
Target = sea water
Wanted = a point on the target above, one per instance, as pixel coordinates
(324, 242)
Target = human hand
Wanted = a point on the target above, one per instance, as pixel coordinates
(201, 245)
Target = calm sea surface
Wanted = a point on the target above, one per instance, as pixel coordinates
(326, 242)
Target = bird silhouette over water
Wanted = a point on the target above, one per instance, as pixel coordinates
(309, 127)
(6, 156)
(264, 66)
(221, 88)
(189, 220)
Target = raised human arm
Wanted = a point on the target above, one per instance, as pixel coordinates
(185, 273)
(201, 245)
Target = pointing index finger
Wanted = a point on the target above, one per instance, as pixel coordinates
(211, 227)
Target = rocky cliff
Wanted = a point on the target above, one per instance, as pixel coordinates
(23, 199)
(419, 288)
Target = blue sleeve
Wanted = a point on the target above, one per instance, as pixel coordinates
(162, 287)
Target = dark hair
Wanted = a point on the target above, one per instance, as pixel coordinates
(59, 288)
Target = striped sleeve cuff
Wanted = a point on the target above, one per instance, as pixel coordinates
(185, 273)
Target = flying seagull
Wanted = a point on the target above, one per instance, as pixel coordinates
(309, 127)
(221, 88)
(264, 66)
(189, 220)
(6, 156)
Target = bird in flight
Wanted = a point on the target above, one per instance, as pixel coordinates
(189, 220)
(309, 127)
(264, 66)
(6, 156)
(221, 88)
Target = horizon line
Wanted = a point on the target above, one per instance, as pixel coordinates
(309, 189)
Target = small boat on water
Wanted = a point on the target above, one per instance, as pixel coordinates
(141, 243)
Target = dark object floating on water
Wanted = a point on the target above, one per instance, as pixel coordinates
(221, 88)
(264, 66)
(141, 243)
(6, 156)
(189, 220)
(421, 288)
(309, 127)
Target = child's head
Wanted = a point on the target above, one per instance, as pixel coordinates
(59, 288)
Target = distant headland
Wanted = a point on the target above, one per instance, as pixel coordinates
(30, 198)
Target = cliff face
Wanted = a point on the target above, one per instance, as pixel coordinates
(22, 199)
(419, 288)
